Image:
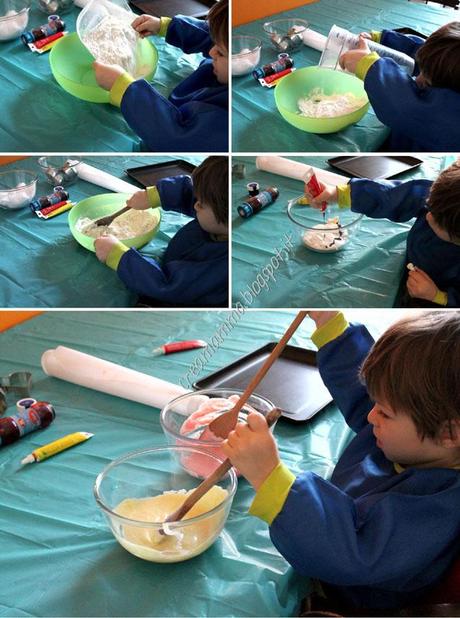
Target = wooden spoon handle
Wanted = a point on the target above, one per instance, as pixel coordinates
(223, 424)
(212, 479)
(109, 218)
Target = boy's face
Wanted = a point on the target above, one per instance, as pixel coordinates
(219, 55)
(397, 436)
(208, 221)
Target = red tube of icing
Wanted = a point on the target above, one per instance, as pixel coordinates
(179, 346)
(314, 187)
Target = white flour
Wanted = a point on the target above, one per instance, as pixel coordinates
(128, 225)
(17, 199)
(319, 105)
(14, 26)
(326, 238)
(113, 41)
(245, 61)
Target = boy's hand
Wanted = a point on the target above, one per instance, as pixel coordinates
(146, 25)
(138, 201)
(252, 449)
(107, 74)
(329, 195)
(350, 59)
(420, 285)
(103, 247)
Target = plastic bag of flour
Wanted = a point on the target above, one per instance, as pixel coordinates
(104, 28)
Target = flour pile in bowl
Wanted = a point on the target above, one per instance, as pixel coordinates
(317, 104)
(128, 225)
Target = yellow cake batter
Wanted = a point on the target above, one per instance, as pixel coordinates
(190, 540)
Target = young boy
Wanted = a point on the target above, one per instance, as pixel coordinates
(194, 269)
(433, 242)
(422, 113)
(194, 118)
(386, 527)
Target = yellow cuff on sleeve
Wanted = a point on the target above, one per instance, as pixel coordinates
(376, 36)
(153, 197)
(115, 255)
(344, 196)
(119, 88)
(164, 24)
(440, 298)
(365, 64)
(272, 494)
(330, 331)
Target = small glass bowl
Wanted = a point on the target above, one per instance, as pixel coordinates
(17, 188)
(59, 171)
(245, 54)
(55, 7)
(14, 17)
(286, 35)
(145, 474)
(185, 419)
(327, 234)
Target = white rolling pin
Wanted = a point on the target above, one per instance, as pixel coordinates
(297, 170)
(314, 39)
(101, 375)
(104, 179)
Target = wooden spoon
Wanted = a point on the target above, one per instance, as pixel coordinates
(223, 424)
(109, 218)
(211, 480)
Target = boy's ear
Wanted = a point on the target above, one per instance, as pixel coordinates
(450, 434)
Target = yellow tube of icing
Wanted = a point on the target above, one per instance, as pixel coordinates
(48, 450)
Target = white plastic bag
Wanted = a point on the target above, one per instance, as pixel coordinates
(104, 28)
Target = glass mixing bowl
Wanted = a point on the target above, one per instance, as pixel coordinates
(14, 17)
(133, 480)
(245, 54)
(53, 7)
(286, 35)
(59, 171)
(327, 234)
(17, 188)
(185, 419)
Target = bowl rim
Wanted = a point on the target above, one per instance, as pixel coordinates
(159, 524)
(301, 22)
(205, 443)
(251, 51)
(15, 171)
(72, 165)
(294, 201)
(8, 17)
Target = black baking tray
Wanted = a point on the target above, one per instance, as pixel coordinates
(375, 167)
(170, 8)
(293, 383)
(149, 175)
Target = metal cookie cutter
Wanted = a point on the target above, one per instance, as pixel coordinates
(14, 386)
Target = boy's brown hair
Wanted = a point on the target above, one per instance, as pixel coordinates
(218, 23)
(438, 57)
(444, 201)
(210, 185)
(414, 368)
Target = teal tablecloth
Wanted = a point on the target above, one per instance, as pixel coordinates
(364, 274)
(37, 115)
(257, 124)
(42, 265)
(58, 556)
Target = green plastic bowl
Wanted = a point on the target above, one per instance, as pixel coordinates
(101, 206)
(299, 83)
(72, 67)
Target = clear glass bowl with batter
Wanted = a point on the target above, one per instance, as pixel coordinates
(139, 490)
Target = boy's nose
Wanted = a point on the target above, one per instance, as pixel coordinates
(371, 416)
